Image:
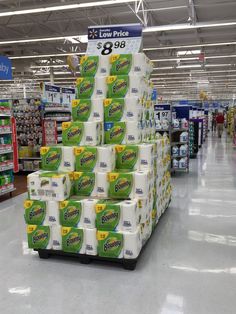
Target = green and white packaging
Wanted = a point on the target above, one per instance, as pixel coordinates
(35, 212)
(108, 215)
(110, 244)
(73, 240)
(87, 110)
(121, 64)
(39, 237)
(86, 158)
(94, 66)
(55, 158)
(127, 157)
(73, 133)
(85, 184)
(114, 109)
(71, 213)
(115, 132)
(118, 86)
(121, 185)
(90, 87)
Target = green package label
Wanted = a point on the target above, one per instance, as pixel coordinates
(70, 213)
(113, 109)
(118, 86)
(114, 132)
(38, 236)
(72, 239)
(81, 109)
(51, 158)
(35, 212)
(72, 133)
(127, 156)
(84, 183)
(85, 87)
(107, 216)
(89, 65)
(110, 244)
(121, 64)
(120, 185)
(85, 158)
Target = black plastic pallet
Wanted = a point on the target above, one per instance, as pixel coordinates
(129, 264)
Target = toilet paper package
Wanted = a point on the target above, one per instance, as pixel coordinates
(71, 213)
(130, 215)
(106, 158)
(120, 86)
(85, 184)
(146, 153)
(121, 185)
(102, 184)
(73, 240)
(56, 237)
(35, 212)
(142, 186)
(73, 133)
(93, 133)
(110, 244)
(132, 244)
(39, 237)
(53, 212)
(86, 158)
(91, 241)
(50, 186)
(109, 215)
(87, 109)
(124, 64)
(89, 213)
(114, 109)
(90, 87)
(94, 66)
(127, 157)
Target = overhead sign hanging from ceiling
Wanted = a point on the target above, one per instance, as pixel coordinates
(5, 68)
(114, 39)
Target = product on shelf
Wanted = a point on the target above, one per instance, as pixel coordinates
(120, 185)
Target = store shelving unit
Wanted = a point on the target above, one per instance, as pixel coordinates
(6, 149)
(27, 113)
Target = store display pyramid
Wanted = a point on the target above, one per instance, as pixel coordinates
(102, 192)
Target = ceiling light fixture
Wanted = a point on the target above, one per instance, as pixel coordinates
(47, 55)
(65, 7)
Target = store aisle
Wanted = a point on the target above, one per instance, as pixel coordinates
(189, 265)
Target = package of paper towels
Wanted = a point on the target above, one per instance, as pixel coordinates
(106, 158)
(87, 109)
(73, 240)
(122, 132)
(120, 86)
(57, 158)
(85, 184)
(86, 158)
(94, 66)
(90, 87)
(39, 237)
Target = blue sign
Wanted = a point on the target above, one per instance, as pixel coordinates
(154, 94)
(5, 68)
(114, 31)
(114, 39)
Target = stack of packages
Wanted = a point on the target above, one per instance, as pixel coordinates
(103, 192)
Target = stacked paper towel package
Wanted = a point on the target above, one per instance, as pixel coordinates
(104, 190)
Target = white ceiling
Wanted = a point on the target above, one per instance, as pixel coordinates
(199, 24)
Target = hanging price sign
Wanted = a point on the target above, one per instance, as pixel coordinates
(114, 39)
(51, 94)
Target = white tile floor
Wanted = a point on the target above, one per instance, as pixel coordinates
(189, 265)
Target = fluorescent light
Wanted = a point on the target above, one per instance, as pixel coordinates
(189, 66)
(47, 55)
(56, 73)
(65, 7)
(188, 52)
(75, 39)
(176, 59)
(49, 66)
(174, 27)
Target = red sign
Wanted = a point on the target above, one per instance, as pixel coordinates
(14, 145)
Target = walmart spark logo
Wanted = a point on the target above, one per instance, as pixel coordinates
(93, 33)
